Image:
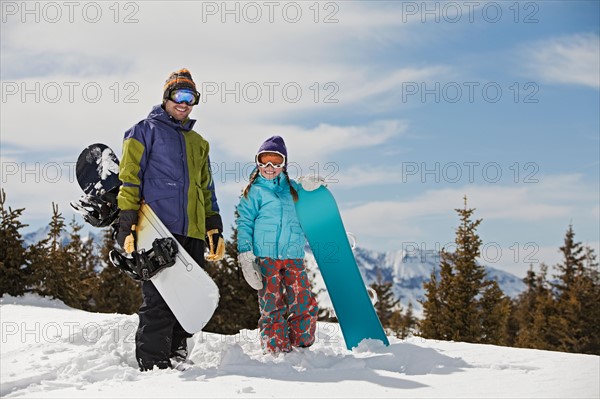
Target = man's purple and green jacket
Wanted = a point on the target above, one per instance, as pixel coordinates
(165, 163)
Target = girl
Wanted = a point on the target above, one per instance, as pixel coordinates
(271, 251)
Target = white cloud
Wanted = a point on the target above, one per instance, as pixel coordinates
(109, 56)
(366, 176)
(35, 186)
(206, 41)
(319, 58)
(549, 202)
(306, 146)
(573, 59)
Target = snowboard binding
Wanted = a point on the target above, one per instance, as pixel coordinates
(98, 210)
(143, 265)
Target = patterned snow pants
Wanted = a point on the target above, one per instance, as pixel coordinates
(288, 308)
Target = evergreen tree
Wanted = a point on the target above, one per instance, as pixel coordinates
(410, 321)
(386, 304)
(535, 312)
(238, 303)
(512, 326)
(565, 325)
(589, 286)
(542, 334)
(116, 292)
(83, 257)
(562, 315)
(14, 267)
(521, 318)
(494, 308)
(389, 309)
(577, 290)
(573, 256)
(403, 324)
(468, 279)
(446, 290)
(463, 306)
(55, 272)
(432, 323)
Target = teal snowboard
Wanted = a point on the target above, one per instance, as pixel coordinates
(322, 224)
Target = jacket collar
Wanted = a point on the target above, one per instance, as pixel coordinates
(277, 183)
(159, 113)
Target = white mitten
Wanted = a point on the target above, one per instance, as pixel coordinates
(250, 270)
(311, 182)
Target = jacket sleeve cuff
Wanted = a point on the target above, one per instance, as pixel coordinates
(244, 247)
(214, 222)
(128, 217)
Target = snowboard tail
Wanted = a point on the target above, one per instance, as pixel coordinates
(97, 170)
(322, 224)
(187, 289)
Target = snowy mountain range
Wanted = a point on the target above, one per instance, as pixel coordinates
(407, 270)
(41, 233)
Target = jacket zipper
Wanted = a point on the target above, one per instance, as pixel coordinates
(185, 182)
(279, 255)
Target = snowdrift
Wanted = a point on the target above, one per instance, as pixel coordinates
(51, 350)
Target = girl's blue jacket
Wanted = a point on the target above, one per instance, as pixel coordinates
(267, 222)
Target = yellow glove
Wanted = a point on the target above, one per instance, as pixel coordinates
(129, 245)
(216, 252)
(126, 234)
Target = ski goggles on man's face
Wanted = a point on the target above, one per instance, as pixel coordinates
(184, 96)
(274, 159)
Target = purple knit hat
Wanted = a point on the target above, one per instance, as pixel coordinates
(274, 144)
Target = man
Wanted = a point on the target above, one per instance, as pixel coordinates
(166, 165)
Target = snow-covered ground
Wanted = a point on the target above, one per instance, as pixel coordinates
(50, 350)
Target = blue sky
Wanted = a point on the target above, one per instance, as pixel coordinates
(419, 103)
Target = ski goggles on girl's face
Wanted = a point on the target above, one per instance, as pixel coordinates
(184, 96)
(274, 159)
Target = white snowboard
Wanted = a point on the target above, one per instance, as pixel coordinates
(189, 291)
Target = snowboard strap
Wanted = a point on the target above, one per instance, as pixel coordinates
(143, 265)
(98, 211)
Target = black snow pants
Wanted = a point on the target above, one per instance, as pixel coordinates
(159, 334)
